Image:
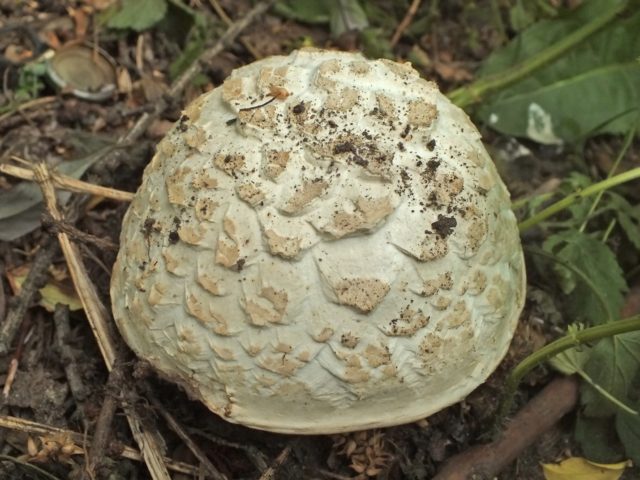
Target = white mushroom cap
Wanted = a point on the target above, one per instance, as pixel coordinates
(322, 244)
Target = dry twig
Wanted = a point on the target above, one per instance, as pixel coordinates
(102, 432)
(257, 458)
(57, 226)
(406, 21)
(65, 182)
(74, 379)
(35, 103)
(34, 281)
(270, 473)
(227, 20)
(35, 428)
(98, 319)
(184, 436)
(15, 359)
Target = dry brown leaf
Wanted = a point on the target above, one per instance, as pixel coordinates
(452, 72)
(17, 53)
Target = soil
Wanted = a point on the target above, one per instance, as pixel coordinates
(61, 380)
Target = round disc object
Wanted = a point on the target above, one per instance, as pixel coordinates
(321, 244)
(86, 71)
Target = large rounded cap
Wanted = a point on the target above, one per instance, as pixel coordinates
(321, 244)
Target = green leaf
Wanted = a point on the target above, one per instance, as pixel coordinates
(594, 281)
(375, 43)
(628, 216)
(572, 360)
(342, 15)
(346, 16)
(594, 88)
(520, 17)
(309, 11)
(191, 30)
(573, 183)
(598, 439)
(138, 15)
(613, 364)
(628, 427)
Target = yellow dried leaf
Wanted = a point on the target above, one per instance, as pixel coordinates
(32, 448)
(52, 293)
(577, 468)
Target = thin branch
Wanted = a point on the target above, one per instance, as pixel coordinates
(57, 226)
(64, 182)
(270, 473)
(184, 436)
(34, 281)
(102, 432)
(406, 21)
(35, 103)
(98, 320)
(227, 20)
(35, 428)
(74, 378)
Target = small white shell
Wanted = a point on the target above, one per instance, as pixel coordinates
(321, 244)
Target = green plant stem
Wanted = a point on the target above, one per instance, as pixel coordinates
(570, 199)
(608, 231)
(587, 335)
(475, 92)
(610, 398)
(521, 202)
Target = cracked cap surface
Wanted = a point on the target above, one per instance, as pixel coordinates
(321, 244)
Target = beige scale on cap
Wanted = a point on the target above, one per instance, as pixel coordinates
(321, 244)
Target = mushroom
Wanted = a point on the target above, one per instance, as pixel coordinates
(321, 244)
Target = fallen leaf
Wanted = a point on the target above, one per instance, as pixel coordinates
(453, 71)
(17, 53)
(81, 21)
(51, 294)
(577, 468)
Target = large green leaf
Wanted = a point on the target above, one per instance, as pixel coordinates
(593, 88)
(309, 11)
(613, 364)
(628, 427)
(342, 15)
(138, 15)
(347, 15)
(598, 440)
(590, 275)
